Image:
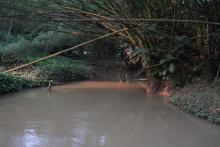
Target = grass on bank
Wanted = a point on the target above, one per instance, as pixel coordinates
(202, 100)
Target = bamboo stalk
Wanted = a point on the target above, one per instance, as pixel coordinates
(107, 26)
(63, 51)
(132, 20)
(85, 12)
(142, 20)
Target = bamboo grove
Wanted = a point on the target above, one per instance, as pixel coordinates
(174, 49)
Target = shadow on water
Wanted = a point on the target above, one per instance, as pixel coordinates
(96, 114)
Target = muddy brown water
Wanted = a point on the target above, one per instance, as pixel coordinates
(99, 114)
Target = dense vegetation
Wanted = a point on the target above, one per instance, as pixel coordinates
(178, 40)
(186, 49)
(17, 50)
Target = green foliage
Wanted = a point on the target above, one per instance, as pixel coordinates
(16, 47)
(18, 50)
(5, 81)
(12, 51)
(56, 70)
(63, 69)
(9, 83)
(52, 41)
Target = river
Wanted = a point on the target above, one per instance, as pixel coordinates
(99, 114)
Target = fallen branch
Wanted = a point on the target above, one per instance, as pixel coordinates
(63, 51)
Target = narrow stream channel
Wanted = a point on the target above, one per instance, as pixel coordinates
(99, 114)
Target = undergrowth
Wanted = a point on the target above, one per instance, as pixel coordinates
(18, 50)
(201, 100)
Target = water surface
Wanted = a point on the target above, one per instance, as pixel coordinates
(99, 114)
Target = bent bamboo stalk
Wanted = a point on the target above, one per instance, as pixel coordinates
(63, 51)
(141, 20)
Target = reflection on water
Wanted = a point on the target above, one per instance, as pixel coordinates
(27, 138)
(99, 114)
(104, 85)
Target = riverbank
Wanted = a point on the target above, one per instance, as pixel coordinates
(200, 99)
(55, 71)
